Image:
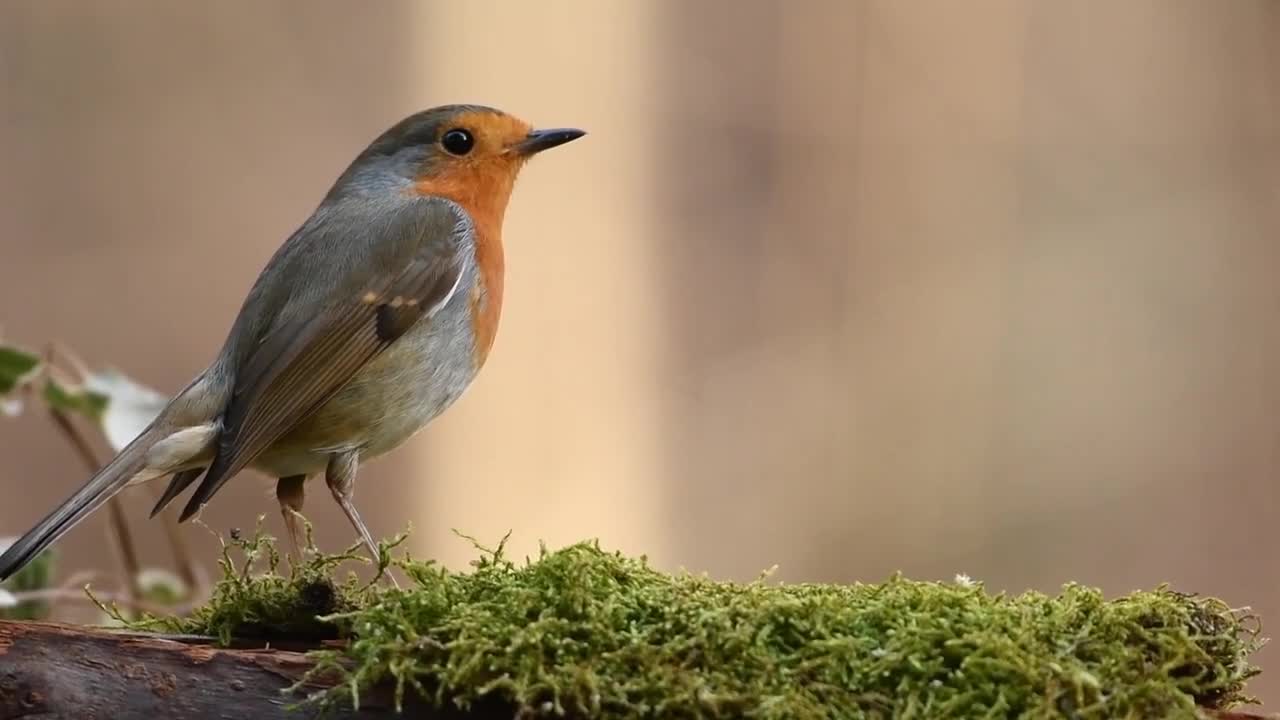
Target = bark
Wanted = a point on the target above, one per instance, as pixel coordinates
(52, 671)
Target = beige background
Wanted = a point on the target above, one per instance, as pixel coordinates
(850, 287)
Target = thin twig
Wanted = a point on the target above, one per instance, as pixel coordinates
(79, 579)
(64, 353)
(53, 594)
(119, 524)
(129, 564)
(197, 582)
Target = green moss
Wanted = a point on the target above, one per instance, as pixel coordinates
(581, 632)
(255, 600)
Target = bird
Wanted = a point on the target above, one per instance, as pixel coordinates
(369, 321)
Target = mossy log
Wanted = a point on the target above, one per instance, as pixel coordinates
(53, 671)
(583, 634)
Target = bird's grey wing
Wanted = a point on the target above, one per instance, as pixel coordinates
(410, 264)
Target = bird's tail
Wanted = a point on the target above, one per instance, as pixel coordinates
(156, 452)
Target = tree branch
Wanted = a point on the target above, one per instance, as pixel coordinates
(63, 672)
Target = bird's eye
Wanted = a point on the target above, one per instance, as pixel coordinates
(458, 141)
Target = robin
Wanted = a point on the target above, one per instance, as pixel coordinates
(370, 320)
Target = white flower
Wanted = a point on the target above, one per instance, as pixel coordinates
(130, 406)
(964, 580)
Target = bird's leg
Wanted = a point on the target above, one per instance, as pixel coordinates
(341, 478)
(291, 491)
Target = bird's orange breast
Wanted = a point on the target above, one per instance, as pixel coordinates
(483, 191)
(486, 295)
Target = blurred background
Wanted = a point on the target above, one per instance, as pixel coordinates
(849, 287)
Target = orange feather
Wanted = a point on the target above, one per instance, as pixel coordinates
(481, 182)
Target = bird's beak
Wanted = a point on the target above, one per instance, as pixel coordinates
(539, 140)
